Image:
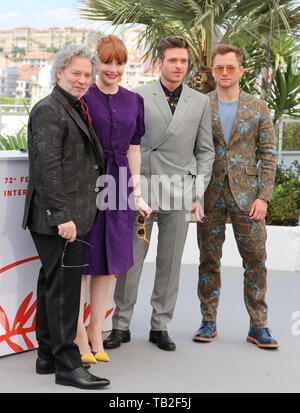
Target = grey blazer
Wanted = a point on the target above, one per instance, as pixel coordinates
(178, 146)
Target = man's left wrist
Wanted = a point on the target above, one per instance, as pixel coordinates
(266, 201)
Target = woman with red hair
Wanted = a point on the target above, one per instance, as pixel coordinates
(117, 116)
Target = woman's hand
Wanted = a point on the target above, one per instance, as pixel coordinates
(142, 206)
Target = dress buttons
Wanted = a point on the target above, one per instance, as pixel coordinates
(96, 167)
(97, 189)
(48, 212)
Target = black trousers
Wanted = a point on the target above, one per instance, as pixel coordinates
(58, 300)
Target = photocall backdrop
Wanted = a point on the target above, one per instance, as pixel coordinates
(19, 261)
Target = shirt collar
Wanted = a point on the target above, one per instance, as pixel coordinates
(175, 92)
(72, 99)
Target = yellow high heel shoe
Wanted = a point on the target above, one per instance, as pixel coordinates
(88, 358)
(101, 356)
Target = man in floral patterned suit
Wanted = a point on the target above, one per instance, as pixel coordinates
(241, 186)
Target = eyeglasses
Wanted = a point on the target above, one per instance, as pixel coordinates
(141, 231)
(65, 251)
(229, 69)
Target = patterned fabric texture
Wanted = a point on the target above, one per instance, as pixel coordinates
(250, 237)
(252, 139)
(243, 171)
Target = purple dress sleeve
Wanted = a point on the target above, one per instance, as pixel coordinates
(140, 124)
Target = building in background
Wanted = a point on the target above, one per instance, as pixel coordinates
(8, 81)
(32, 52)
(24, 40)
(38, 59)
(23, 89)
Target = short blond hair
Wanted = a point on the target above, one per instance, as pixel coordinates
(227, 48)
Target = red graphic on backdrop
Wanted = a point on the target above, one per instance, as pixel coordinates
(14, 264)
(23, 315)
(87, 310)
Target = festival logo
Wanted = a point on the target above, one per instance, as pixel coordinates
(22, 325)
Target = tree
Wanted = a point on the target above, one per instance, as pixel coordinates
(283, 81)
(202, 22)
(285, 92)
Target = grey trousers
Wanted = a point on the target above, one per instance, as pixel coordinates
(172, 232)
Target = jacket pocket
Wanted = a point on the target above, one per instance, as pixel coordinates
(251, 170)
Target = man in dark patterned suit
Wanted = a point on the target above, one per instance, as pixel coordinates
(243, 134)
(65, 160)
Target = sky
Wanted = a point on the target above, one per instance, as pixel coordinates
(42, 14)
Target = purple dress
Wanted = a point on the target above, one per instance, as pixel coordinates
(118, 121)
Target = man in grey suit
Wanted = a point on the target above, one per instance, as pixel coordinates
(177, 156)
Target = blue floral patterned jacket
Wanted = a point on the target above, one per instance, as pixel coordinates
(249, 157)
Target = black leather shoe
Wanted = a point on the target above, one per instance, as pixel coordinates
(162, 339)
(116, 338)
(80, 378)
(44, 366)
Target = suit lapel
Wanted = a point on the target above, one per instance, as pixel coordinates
(163, 105)
(161, 102)
(181, 107)
(238, 117)
(216, 119)
(72, 112)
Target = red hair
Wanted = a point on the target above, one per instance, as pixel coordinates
(111, 47)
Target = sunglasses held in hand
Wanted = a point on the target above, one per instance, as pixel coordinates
(141, 231)
(65, 251)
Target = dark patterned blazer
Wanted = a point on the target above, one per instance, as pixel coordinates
(65, 160)
(249, 156)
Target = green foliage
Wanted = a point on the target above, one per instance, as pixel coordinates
(284, 207)
(12, 142)
(284, 94)
(5, 100)
(231, 21)
(283, 212)
(283, 89)
(291, 136)
(11, 102)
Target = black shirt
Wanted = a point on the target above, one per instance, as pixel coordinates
(77, 105)
(172, 97)
(72, 100)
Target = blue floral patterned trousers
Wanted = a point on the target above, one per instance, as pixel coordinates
(251, 239)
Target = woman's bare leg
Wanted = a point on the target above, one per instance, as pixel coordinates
(101, 288)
